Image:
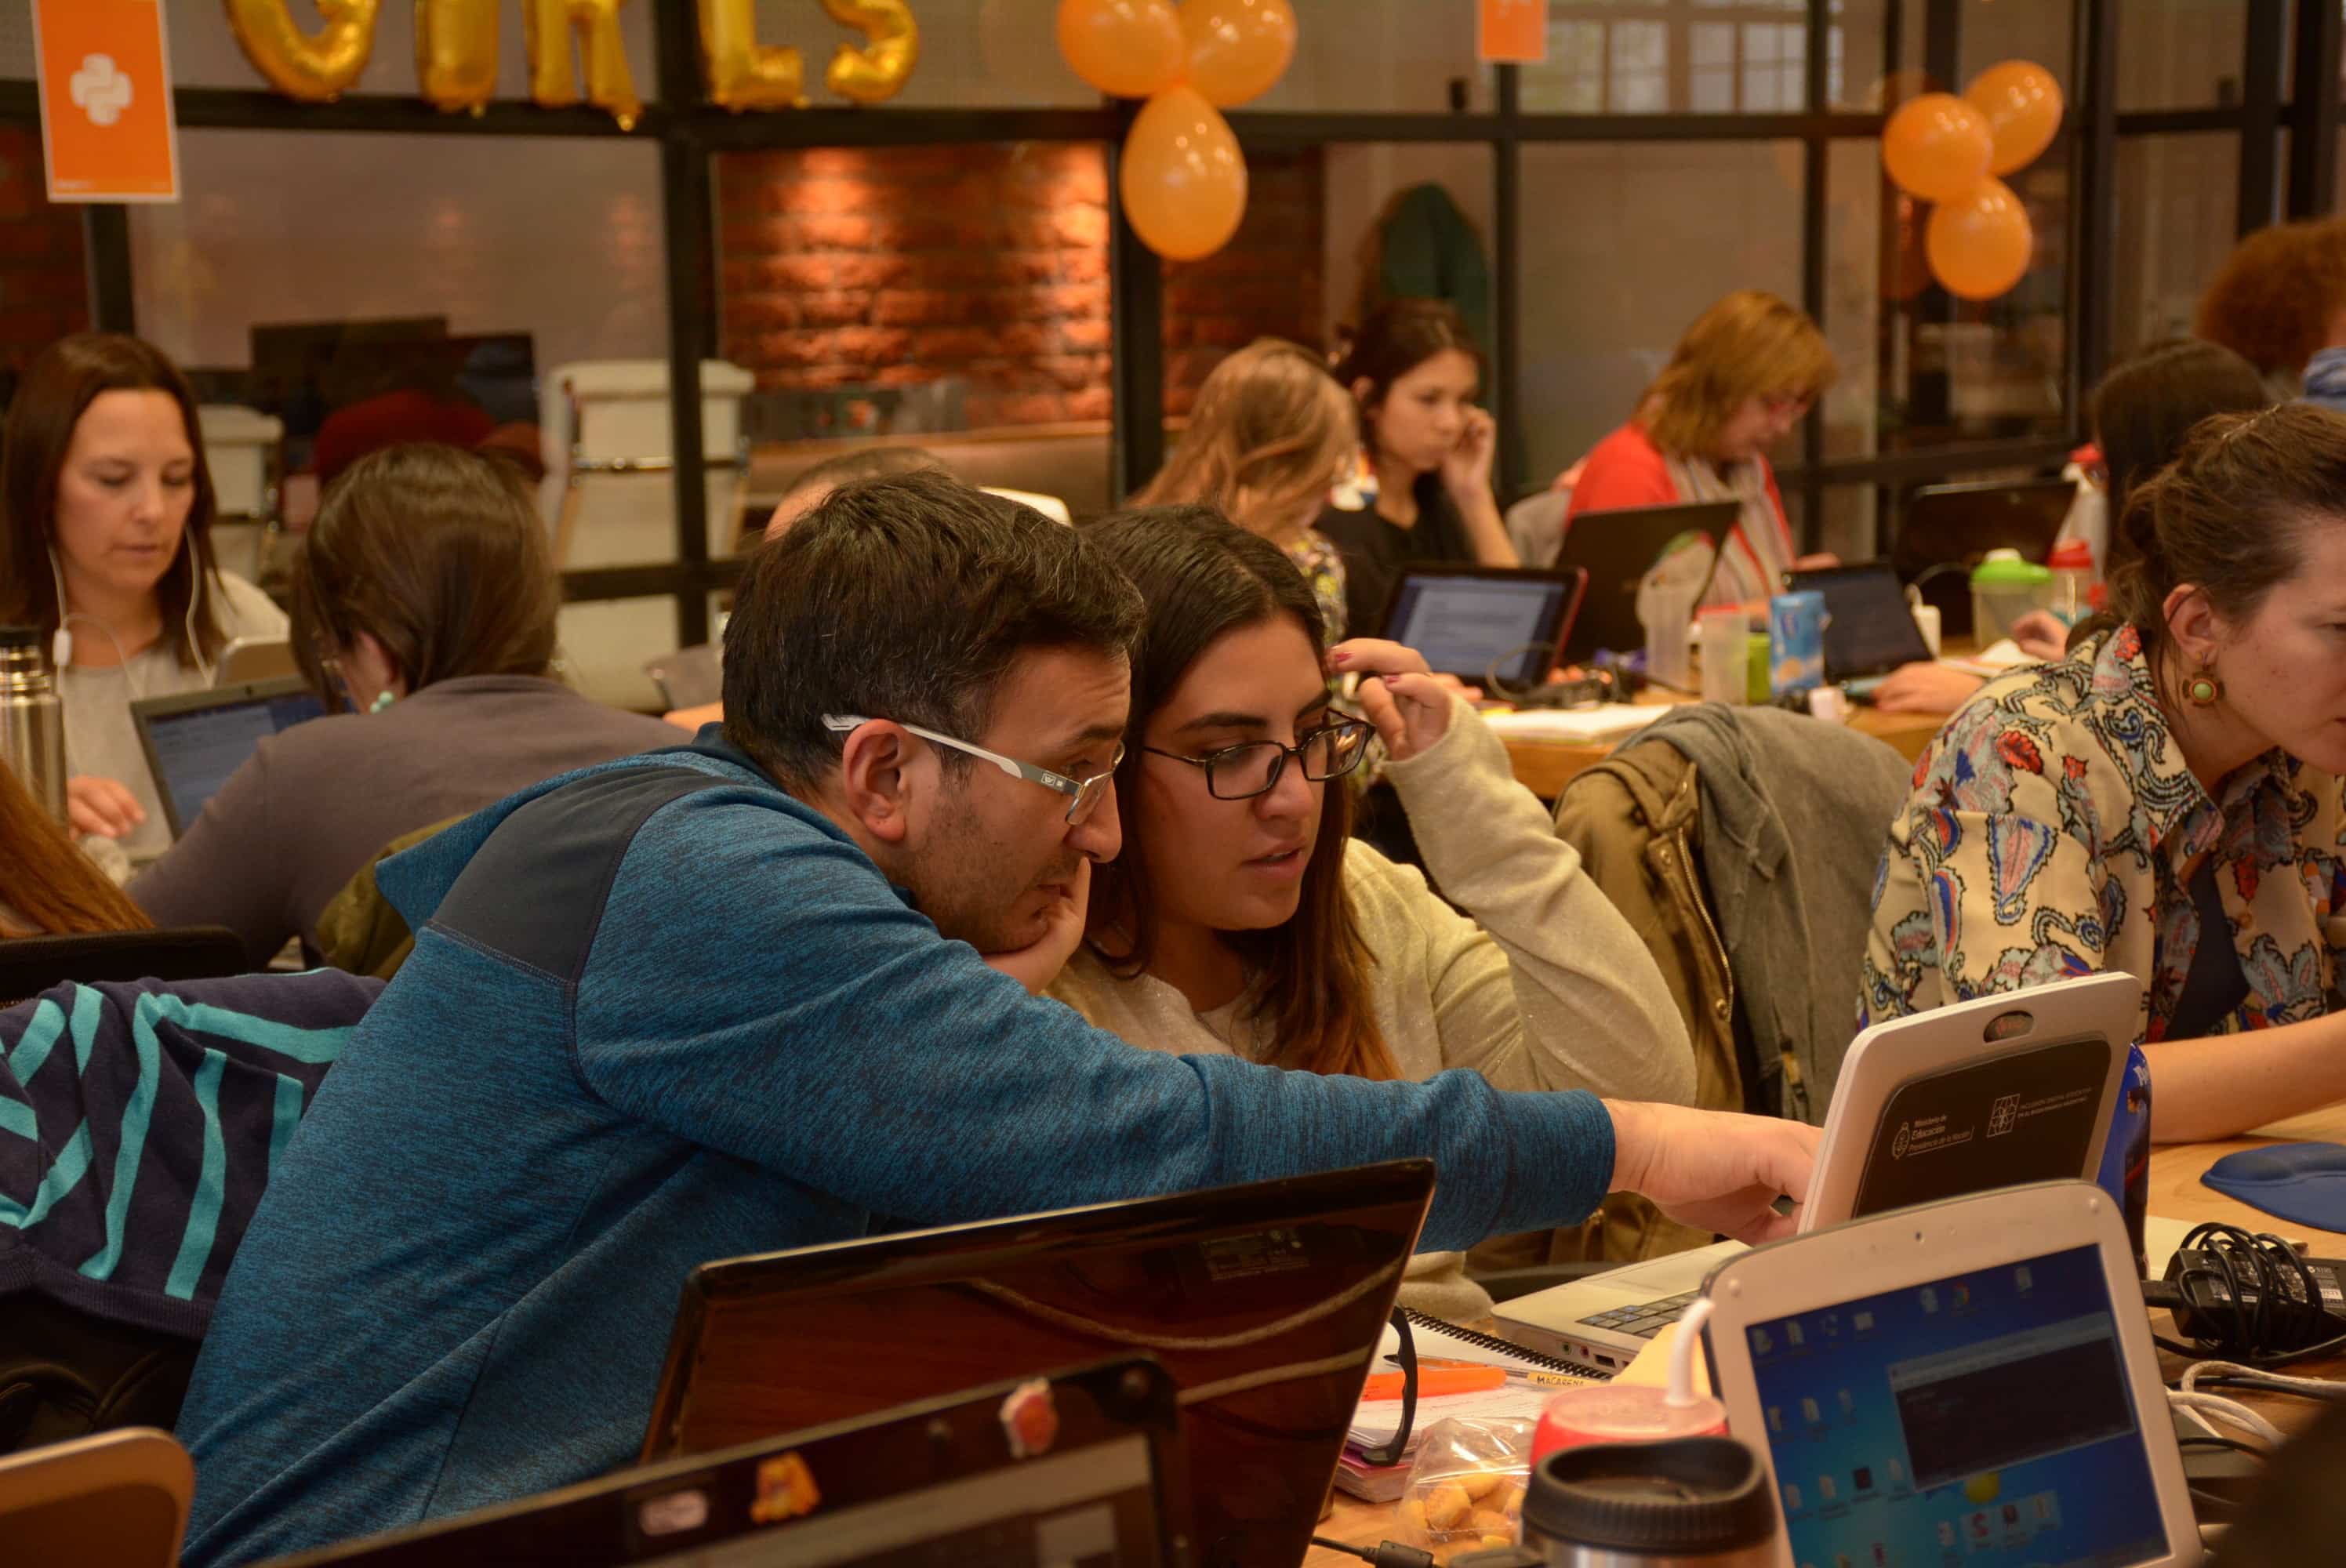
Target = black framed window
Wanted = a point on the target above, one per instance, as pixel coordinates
(1667, 151)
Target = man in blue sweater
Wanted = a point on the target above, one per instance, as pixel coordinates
(729, 998)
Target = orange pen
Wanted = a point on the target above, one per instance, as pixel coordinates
(1432, 1381)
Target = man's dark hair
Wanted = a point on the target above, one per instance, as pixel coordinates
(906, 598)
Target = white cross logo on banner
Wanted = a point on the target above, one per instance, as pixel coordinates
(101, 89)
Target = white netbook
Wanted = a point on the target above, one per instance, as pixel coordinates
(1968, 1383)
(2016, 1087)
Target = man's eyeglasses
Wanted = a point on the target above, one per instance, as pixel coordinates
(1084, 794)
(1252, 768)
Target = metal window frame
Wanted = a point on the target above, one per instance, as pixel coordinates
(689, 131)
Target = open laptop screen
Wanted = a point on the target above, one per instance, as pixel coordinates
(1983, 1418)
(194, 743)
(1265, 1303)
(1484, 626)
(1869, 627)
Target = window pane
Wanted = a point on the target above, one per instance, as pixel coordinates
(449, 295)
(2181, 53)
(1886, 45)
(1637, 57)
(43, 287)
(1393, 55)
(951, 297)
(204, 52)
(1310, 259)
(2175, 200)
(1623, 246)
(1920, 369)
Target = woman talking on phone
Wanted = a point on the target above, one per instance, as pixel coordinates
(1413, 370)
(109, 514)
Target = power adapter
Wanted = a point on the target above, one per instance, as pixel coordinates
(2252, 1298)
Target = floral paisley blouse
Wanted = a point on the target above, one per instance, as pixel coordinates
(1316, 556)
(2055, 830)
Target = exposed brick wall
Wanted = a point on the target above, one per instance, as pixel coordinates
(44, 290)
(1266, 282)
(897, 267)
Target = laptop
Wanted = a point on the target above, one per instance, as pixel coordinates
(248, 659)
(1969, 1382)
(1265, 1303)
(194, 741)
(1870, 628)
(119, 1498)
(1619, 549)
(1486, 624)
(2015, 1087)
(1052, 1472)
(1956, 524)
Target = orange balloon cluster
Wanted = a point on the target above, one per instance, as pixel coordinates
(1949, 150)
(1180, 175)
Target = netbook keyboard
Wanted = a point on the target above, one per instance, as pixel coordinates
(1647, 1318)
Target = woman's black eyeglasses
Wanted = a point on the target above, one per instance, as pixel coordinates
(1252, 768)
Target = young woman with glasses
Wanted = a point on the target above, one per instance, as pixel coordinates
(1242, 918)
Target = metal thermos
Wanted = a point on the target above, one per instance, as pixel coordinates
(1690, 1502)
(32, 719)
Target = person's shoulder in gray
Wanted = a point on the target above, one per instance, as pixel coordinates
(424, 601)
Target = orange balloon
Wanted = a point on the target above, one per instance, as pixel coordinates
(2022, 105)
(1238, 49)
(1126, 48)
(1937, 146)
(1979, 243)
(1182, 178)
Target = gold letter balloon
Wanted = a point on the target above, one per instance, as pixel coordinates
(744, 74)
(891, 47)
(314, 67)
(456, 53)
(549, 24)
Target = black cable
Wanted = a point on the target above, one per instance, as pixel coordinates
(2256, 1302)
(1383, 1554)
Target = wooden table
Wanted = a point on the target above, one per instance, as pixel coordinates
(2176, 1193)
(1546, 767)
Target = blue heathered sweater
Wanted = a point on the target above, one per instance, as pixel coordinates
(658, 1012)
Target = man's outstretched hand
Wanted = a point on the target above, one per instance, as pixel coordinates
(1714, 1170)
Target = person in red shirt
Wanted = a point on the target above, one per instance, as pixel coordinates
(1745, 373)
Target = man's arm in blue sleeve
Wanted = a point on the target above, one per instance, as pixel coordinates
(768, 996)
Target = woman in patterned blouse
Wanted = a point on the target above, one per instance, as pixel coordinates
(1269, 435)
(2178, 775)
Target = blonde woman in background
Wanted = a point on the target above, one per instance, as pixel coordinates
(1271, 432)
(1744, 375)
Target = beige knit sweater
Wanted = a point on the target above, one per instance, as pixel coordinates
(1546, 988)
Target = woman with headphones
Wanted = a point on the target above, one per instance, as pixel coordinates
(106, 537)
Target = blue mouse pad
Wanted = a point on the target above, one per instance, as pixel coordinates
(2303, 1182)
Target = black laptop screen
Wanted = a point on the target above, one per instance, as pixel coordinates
(197, 749)
(1478, 627)
(1869, 627)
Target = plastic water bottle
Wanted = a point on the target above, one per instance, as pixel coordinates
(2071, 562)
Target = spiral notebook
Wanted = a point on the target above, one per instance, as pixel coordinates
(1455, 1342)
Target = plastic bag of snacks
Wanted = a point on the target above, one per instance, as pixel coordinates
(1466, 1487)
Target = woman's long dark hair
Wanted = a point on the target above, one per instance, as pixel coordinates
(1203, 576)
(61, 382)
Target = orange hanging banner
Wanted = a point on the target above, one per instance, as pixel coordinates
(1512, 32)
(108, 132)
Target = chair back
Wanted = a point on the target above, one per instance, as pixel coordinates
(1535, 527)
(120, 1499)
(32, 964)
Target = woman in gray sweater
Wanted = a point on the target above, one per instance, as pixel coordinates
(424, 602)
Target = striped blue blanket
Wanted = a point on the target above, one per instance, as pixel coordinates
(139, 1124)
